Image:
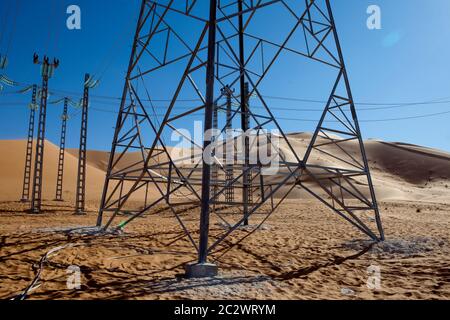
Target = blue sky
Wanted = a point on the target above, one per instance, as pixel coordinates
(406, 61)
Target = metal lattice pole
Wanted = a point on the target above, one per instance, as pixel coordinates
(244, 112)
(248, 185)
(80, 205)
(47, 70)
(192, 152)
(62, 152)
(29, 152)
(215, 166)
(229, 147)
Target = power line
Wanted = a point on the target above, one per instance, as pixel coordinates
(272, 108)
(262, 107)
(313, 120)
(56, 31)
(392, 104)
(111, 55)
(5, 21)
(99, 99)
(380, 106)
(377, 105)
(378, 120)
(14, 26)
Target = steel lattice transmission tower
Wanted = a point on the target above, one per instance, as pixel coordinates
(82, 153)
(186, 49)
(47, 70)
(62, 152)
(29, 150)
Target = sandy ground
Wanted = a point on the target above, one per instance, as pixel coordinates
(302, 252)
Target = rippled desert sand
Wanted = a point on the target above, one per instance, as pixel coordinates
(305, 253)
(302, 252)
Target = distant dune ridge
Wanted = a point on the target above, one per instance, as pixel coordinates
(400, 171)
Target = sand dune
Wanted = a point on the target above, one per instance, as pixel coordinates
(12, 163)
(400, 171)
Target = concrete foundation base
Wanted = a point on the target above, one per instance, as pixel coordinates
(201, 270)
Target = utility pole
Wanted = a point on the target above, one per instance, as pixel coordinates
(229, 147)
(80, 205)
(62, 152)
(244, 111)
(215, 167)
(192, 152)
(249, 175)
(29, 153)
(246, 171)
(47, 70)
